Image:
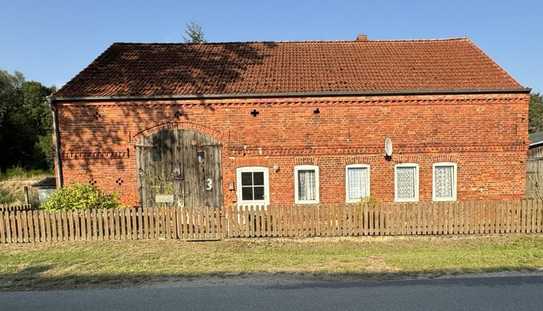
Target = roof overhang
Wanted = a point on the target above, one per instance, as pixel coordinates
(295, 94)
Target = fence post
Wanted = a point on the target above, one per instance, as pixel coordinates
(26, 195)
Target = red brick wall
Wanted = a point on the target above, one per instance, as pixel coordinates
(486, 135)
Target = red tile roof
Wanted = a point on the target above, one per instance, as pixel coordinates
(363, 67)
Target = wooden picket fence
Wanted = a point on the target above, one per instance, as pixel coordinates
(110, 224)
(385, 219)
(459, 218)
(11, 207)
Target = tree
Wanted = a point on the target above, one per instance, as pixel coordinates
(536, 113)
(194, 33)
(25, 123)
(9, 86)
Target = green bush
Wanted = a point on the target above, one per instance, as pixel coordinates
(6, 197)
(79, 196)
(370, 201)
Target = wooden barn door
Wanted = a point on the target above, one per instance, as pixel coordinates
(181, 168)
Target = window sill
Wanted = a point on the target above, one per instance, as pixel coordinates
(351, 201)
(253, 203)
(306, 202)
(406, 200)
(444, 199)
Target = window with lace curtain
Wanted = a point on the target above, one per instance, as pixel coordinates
(357, 182)
(406, 182)
(306, 184)
(444, 182)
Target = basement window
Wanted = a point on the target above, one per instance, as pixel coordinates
(306, 184)
(253, 185)
(444, 181)
(406, 182)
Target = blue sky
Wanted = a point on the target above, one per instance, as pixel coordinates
(51, 41)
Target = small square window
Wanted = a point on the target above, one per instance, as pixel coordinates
(247, 193)
(247, 179)
(258, 193)
(258, 178)
(252, 185)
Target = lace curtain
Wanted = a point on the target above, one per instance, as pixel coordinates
(406, 179)
(443, 181)
(306, 185)
(357, 178)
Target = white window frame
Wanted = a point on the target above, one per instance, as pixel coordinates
(251, 169)
(366, 166)
(416, 198)
(298, 168)
(455, 180)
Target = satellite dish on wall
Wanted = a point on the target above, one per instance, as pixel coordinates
(388, 147)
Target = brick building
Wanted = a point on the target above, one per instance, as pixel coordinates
(294, 122)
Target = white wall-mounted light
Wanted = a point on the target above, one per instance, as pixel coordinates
(388, 147)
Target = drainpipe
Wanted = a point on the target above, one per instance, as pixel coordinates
(56, 142)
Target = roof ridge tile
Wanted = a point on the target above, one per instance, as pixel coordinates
(294, 41)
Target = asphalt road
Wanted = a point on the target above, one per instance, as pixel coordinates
(494, 293)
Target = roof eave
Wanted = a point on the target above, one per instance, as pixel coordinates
(293, 94)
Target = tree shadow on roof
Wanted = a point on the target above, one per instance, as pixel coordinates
(168, 69)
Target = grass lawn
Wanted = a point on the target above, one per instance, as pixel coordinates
(107, 263)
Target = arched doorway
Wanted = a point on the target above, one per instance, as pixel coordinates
(181, 168)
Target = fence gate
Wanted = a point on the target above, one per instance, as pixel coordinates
(181, 168)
